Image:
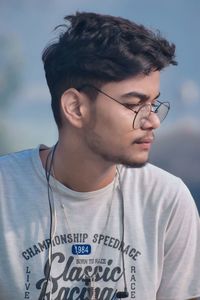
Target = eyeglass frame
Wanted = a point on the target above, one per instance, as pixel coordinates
(165, 103)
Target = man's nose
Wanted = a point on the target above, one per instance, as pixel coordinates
(152, 122)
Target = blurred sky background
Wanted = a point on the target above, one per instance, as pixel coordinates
(26, 120)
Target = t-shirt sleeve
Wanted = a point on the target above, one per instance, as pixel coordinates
(181, 266)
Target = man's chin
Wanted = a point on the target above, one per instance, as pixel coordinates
(133, 163)
(130, 162)
(137, 161)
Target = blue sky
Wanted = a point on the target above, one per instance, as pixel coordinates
(27, 27)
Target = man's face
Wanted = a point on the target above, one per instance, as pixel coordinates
(110, 133)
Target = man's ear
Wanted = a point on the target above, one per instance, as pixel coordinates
(72, 107)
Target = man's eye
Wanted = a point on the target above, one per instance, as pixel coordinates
(131, 106)
(155, 104)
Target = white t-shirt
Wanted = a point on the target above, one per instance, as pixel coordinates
(161, 241)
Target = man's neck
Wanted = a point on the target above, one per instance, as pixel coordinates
(78, 172)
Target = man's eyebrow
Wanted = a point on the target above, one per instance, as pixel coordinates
(141, 96)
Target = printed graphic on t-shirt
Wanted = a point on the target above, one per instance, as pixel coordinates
(90, 268)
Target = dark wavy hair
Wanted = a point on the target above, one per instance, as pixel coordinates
(96, 49)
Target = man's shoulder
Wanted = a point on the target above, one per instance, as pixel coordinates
(152, 180)
(159, 173)
(151, 173)
(15, 159)
(157, 186)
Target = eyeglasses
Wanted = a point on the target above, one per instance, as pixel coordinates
(144, 111)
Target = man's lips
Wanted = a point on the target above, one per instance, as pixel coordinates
(145, 140)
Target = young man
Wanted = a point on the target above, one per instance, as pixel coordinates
(89, 218)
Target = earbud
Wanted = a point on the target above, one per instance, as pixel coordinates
(123, 294)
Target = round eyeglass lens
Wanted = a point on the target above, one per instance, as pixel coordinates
(142, 114)
(162, 110)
